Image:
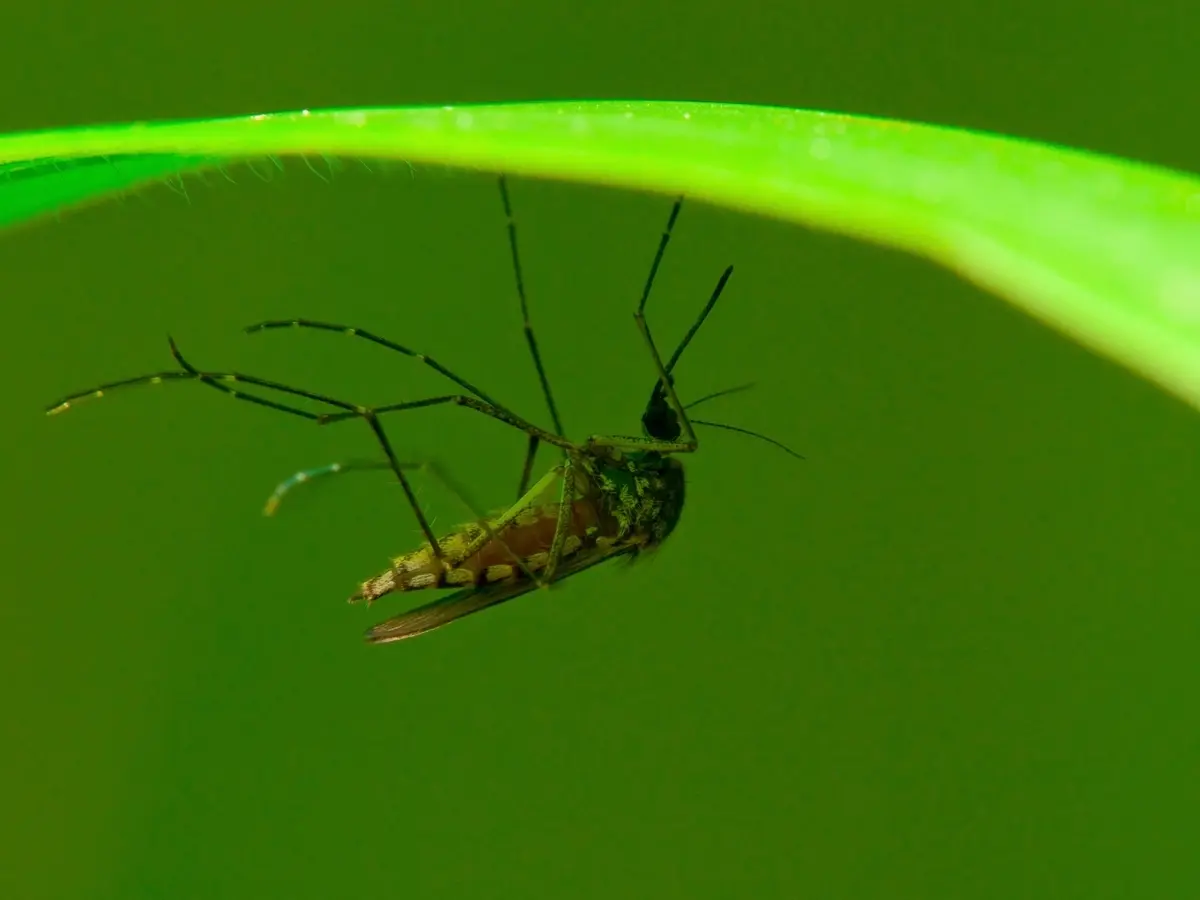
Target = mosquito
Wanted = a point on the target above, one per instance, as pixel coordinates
(608, 497)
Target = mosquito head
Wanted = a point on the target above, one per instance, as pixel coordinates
(659, 421)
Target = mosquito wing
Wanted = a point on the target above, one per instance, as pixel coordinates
(444, 611)
(472, 600)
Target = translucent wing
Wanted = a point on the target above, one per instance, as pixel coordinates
(463, 603)
(444, 611)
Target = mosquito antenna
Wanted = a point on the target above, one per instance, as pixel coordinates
(713, 396)
(762, 437)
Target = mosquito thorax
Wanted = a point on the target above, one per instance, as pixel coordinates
(641, 491)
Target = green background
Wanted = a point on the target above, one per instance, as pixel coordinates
(951, 655)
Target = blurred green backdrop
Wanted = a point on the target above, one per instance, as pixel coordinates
(952, 655)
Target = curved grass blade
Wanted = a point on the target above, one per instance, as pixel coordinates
(32, 188)
(1103, 249)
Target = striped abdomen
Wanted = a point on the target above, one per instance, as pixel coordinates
(528, 537)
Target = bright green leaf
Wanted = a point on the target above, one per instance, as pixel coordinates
(1105, 249)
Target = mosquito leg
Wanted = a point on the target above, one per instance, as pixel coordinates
(217, 380)
(508, 415)
(467, 386)
(527, 469)
(695, 326)
(530, 337)
(229, 383)
(96, 393)
(562, 525)
(631, 444)
(306, 475)
(663, 240)
(487, 409)
(369, 414)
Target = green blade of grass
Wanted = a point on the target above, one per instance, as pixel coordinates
(1102, 248)
(33, 188)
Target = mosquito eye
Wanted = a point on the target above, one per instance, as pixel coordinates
(660, 423)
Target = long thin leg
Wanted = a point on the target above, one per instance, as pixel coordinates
(663, 240)
(530, 339)
(531, 449)
(383, 342)
(494, 409)
(513, 418)
(99, 391)
(566, 501)
(304, 476)
(218, 381)
(494, 412)
(214, 380)
(691, 332)
(221, 381)
(631, 443)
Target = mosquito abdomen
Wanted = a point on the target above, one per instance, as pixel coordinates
(527, 538)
